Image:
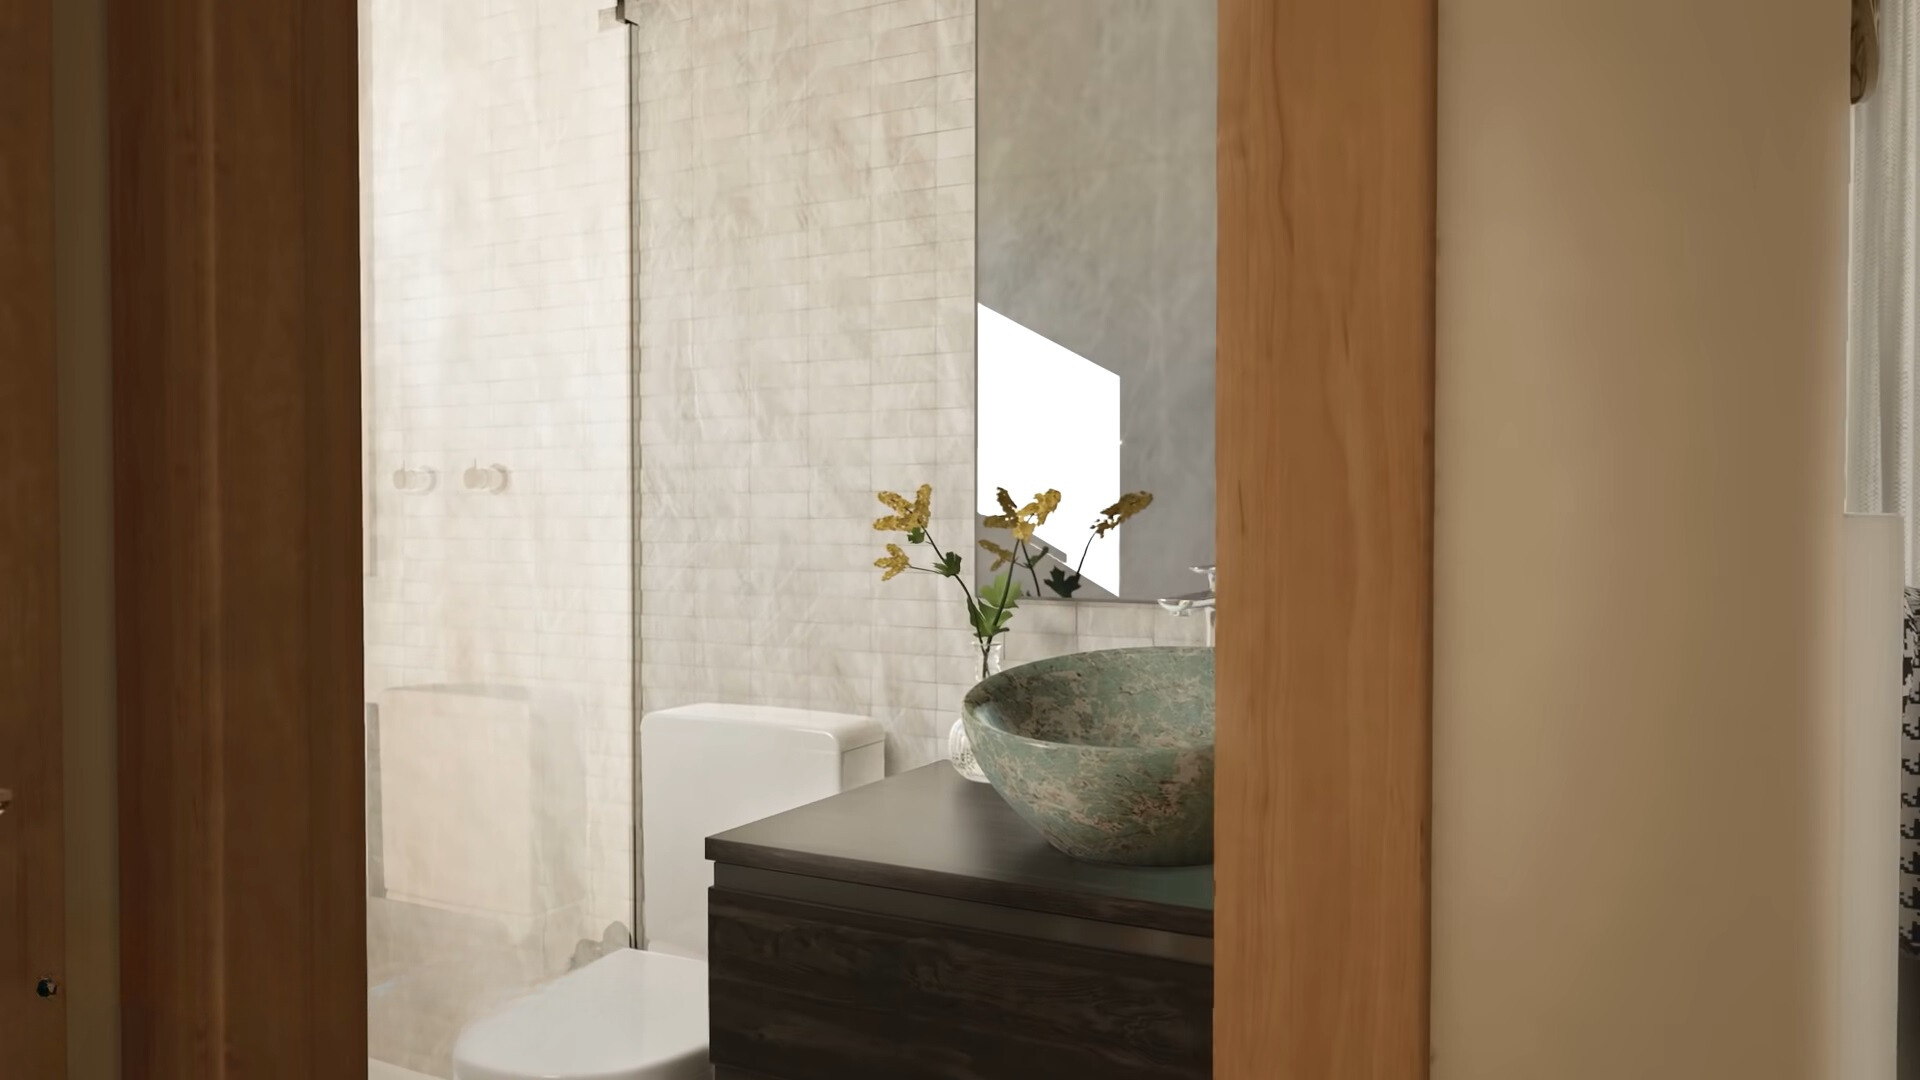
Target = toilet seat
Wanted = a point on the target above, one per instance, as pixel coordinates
(630, 1015)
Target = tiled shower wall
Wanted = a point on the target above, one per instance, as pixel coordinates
(806, 222)
(498, 247)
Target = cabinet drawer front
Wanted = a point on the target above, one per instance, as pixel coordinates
(808, 992)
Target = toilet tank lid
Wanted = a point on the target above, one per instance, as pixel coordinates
(849, 731)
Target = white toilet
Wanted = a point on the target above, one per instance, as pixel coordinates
(642, 1014)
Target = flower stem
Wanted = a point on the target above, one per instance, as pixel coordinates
(999, 612)
(961, 578)
(1027, 560)
(1083, 554)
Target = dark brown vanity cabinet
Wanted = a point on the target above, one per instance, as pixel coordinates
(915, 929)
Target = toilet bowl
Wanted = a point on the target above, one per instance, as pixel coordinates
(630, 1015)
(639, 1014)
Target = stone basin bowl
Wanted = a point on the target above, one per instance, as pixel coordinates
(1108, 754)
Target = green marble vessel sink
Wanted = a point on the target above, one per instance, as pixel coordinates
(1108, 754)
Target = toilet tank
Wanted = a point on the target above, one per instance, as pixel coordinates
(705, 769)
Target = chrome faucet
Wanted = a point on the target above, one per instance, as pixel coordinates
(1183, 606)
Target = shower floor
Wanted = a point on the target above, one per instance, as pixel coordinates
(380, 1070)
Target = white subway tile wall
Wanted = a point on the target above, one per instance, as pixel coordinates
(806, 316)
(806, 219)
(497, 267)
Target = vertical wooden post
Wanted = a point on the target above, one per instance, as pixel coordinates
(237, 427)
(32, 857)
(1325, 424)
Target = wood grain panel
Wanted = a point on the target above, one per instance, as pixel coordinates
(32, 860)
(809, 992)
(1325, 407)
(236, 410)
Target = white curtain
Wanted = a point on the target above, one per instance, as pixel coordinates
(1883, 386)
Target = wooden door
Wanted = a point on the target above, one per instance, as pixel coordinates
(32, 889)
(234, 171)
(1325, 526)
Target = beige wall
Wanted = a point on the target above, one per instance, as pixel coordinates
(92, 974)
(1642, 219)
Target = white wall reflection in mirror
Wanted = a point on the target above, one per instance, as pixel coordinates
(1076, 449)
(1096, 233)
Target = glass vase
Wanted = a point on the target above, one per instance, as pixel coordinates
(959, 747)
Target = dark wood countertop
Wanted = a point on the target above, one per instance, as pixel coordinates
(929, 831)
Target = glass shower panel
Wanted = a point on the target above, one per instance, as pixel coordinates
(499, 508)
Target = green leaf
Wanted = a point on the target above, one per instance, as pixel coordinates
(917, 536)
(998, 598)
(950, 566)
(1063, 583)
(986, 622)
(1002, 592)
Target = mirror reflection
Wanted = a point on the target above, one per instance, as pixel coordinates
(1095, 291)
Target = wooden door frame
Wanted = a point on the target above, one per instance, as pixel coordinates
(33, 1037)
(236, 330)
(1325, 526)
(234, 147)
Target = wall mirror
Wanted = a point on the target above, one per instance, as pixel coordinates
(1096, 241)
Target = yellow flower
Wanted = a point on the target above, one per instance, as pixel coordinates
(1009, 514)
(894, 563)
(906, 516)
(1046, 503)
(923, 506)
(893, 522)
(1001, 556)
(1113, 516)
(1021, 520)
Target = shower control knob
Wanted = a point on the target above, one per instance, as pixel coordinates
(47, 987)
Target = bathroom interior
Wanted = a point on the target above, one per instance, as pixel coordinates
(578, 368)
(659, 299)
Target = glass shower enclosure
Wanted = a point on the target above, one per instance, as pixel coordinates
(499, 507)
